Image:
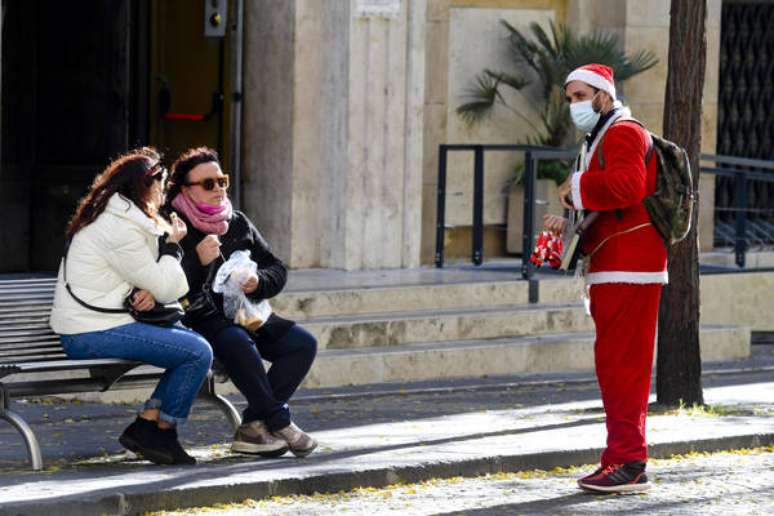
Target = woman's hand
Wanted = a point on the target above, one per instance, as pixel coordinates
(251, 284)
(554, 223)
(208, 249)
(143, 301)
(179, 229)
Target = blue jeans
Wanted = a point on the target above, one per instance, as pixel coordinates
(184, 354)
(267, 393)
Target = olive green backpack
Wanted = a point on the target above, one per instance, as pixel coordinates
(671, 205)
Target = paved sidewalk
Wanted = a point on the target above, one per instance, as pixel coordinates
(470, 436)
(706, 484)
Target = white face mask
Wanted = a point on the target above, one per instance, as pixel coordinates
(583, 115)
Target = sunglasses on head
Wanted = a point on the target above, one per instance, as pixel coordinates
(157, 173)
(209, 183)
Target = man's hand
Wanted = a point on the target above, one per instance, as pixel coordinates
(143, 301)
(208, 249)
(554, 223)
(251, 284)
(565, 194)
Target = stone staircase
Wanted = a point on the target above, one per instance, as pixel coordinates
(417, 332)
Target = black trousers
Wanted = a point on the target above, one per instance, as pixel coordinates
(267, 393)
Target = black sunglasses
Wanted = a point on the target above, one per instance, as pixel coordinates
(209, 183)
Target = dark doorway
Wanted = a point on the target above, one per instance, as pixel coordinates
(83, 82)
(66, 101)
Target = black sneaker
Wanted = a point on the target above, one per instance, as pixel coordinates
(617, 478)
(144, 438)
(179, 455)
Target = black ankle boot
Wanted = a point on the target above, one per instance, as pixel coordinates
(172, 445)
(143, 437)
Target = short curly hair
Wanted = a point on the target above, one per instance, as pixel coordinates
(188, 160)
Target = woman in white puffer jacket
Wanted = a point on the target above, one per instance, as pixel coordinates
(119, 242)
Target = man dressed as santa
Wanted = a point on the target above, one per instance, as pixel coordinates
(626, 259)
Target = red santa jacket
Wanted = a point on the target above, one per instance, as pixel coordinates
(623, 244)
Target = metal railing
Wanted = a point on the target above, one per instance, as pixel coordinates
(741, 170)
(533, 154)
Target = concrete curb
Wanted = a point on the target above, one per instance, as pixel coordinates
(140, 502)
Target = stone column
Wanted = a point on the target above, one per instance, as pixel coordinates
(267, 134)
(332, 111)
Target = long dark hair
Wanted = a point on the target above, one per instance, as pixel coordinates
(129, 176)
(178, 175)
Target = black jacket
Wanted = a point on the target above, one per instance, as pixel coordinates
(272, 273)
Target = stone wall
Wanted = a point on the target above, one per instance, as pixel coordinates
(637, 25)
(344, 114)
(333, 116)
(463, 38)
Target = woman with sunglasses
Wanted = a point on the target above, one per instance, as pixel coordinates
(198, 194)
(118, 242)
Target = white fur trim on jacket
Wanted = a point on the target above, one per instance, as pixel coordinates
(577, 200)
(623, 112)
(595, 278)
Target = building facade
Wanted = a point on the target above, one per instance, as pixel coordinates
(330, 112)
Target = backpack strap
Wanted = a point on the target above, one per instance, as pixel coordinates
(651, 150)
(648, 154)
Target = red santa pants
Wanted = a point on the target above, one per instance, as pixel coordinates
(625, 317)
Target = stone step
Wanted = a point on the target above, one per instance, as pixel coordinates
(556, 352)
(475, 358)
(489, 322)
(302, 305)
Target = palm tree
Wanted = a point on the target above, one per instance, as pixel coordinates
(548, 60)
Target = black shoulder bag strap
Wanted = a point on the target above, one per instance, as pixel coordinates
(79, 300)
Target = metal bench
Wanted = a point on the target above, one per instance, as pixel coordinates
(30, 348)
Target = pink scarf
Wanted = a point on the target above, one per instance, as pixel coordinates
(207, 219)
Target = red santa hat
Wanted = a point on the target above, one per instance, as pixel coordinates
(596, 75)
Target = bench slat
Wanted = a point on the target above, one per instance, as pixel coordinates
(10, 305)
(40, 311)
(23, 286)
(32, 339)
(50, 337)
(20, 320)
(32, 294)
(61, 365)
(9, 351)
(29, 359)
(8, 328)
(15, 290)
(10, 333)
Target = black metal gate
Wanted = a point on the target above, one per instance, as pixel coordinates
(746, 115)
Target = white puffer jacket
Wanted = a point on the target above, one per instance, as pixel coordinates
(107, 258)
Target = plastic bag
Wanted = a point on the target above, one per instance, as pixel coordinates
(236, 305)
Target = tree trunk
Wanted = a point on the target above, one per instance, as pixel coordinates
(678, 376)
